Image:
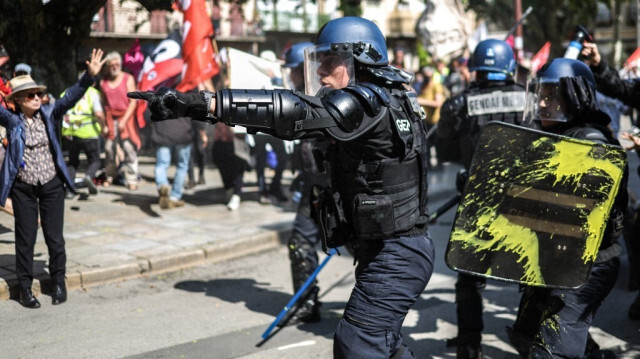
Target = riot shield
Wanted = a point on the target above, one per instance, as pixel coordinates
(535, 207)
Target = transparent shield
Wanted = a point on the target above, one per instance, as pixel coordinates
(328, 66)
(544, 102)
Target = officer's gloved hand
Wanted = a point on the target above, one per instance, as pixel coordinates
(168, 103)
(461, 179)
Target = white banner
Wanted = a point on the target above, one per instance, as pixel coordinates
(247, 71)
(444, 28)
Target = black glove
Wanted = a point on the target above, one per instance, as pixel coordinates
(168, 103)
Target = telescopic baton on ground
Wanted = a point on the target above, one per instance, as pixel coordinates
(298, 294)
(444, 208)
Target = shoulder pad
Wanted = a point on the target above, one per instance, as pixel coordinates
(588, 133)
(390, 74)
(454, 104)
(370, 96)
(345, 109)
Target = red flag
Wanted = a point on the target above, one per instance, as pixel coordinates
(134, 59)
(540, 58)
(635, 56)
(161, 68)
(197, 50)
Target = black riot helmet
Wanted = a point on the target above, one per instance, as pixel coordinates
(563, 90)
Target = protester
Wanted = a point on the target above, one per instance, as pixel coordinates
(460, 124)
(379, 151)
(35, 176)
(171, 136)
(81, 130)
(21, 69)
(121, 129)
(231, 166)
(554, 323)
(398, 58)
(262, 142)
(431, 97)
(459, 77)
(198, 154)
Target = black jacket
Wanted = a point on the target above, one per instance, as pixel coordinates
(609, 83)
(172, 132)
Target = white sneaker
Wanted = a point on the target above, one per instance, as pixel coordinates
(234, 203)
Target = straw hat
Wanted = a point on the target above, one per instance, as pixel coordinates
(23, 83)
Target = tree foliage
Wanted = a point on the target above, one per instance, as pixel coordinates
(46, 35)
(552, 21)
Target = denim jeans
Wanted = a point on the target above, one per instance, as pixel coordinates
(163, 160)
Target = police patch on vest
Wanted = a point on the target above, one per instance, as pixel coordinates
(495, 102)
(403, 125)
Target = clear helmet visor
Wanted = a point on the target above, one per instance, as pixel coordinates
(544, 102)
(328, 66)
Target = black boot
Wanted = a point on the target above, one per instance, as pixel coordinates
(469, 351)
(59, 294)
(634, 310)
(307, 310)
(27, 299)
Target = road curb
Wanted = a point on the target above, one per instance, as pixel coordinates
(88, 277)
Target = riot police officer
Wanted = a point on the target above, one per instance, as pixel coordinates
(492, 96)
(554, 323)
(377, 163)
(304, 236)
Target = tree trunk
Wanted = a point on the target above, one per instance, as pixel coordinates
(616, 54)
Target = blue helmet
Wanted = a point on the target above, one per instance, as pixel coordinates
(564, 67)
(493, 56)
(369, 45)
(294, 56)
(563, 90)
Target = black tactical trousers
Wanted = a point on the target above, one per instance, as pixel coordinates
(390, 276)
(558, 320)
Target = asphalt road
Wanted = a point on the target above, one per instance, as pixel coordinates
(220, 311)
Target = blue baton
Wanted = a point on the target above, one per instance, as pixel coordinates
(298, 294)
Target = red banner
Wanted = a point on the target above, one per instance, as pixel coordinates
(540, 58)
(161, 68)
(633, 58)
(197, 50)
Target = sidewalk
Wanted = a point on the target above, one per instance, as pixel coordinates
(120, 234)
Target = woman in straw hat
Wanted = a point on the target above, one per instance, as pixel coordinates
(34, 174)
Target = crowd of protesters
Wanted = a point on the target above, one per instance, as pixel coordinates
(100, 122)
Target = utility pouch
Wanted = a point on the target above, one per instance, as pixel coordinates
(373, 217)
(326, 210)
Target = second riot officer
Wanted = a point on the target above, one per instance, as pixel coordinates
(378, 193)
(554, 323)
(493, 96)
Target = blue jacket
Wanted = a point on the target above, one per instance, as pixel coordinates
(51, 115)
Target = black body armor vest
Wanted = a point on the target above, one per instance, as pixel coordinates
(380, 177)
